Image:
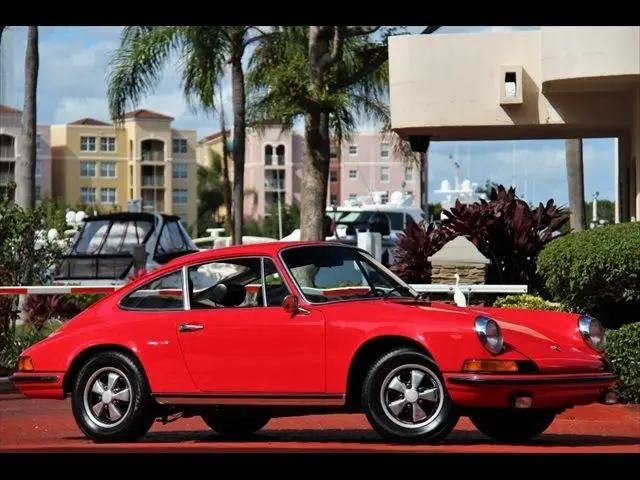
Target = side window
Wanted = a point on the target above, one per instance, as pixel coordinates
(225, 284)
(275, 288)
(164, 293)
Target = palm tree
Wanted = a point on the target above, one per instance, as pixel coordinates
(26, 166)
(204, 53)
(330, 76)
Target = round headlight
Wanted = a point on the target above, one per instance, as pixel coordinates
(592, 332)
(490, 335)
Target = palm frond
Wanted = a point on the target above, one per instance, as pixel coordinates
(137, 65)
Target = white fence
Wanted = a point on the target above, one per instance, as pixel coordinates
(455, 290)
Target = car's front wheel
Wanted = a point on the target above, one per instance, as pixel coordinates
(111, 399)
(405, 399)
(512, 425)
(235, 424)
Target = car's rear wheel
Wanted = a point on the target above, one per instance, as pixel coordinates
(405, 398)
(111, 399)
(235, 423)
(512, 425)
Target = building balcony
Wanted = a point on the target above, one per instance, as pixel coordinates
(148, 181)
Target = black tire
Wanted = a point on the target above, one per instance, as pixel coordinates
(441, 414)
(137, 413)
(512, 425)
(235, 424)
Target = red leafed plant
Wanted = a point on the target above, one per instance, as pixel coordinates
(413, 248)
(503, 228)
(40, 308)
(508, 232)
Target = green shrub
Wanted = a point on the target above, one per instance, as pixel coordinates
(533, 302)
(623, 351)
(596, 271)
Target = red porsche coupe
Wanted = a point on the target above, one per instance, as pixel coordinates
(244, 334)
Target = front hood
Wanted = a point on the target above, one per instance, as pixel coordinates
(550, 339)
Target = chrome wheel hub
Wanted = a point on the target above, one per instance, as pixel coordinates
(412, 396)
(107, 397)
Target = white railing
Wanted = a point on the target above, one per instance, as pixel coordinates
(422, 288)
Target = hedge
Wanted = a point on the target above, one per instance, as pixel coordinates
(596, 271)
(622, 350)
(529, 301)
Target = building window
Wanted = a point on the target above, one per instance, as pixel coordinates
(353, 174)
(180, 196)
(38, 141)
(88, 194)
(268, 154)
(108, 169)
(88, 144)
(334, 199)
(108, 195)
(87, 169)
(384, 174)
(38, 193)
(180, 145)
(38, 167)
(180, 170)
(353, 196)
(408, 174)
(384, 150)
(353, 150)
(108, 144)
(334, 176)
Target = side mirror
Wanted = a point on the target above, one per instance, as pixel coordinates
(290, 304)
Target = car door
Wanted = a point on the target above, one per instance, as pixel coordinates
(237, 345)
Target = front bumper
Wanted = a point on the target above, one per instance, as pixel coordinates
(545, 390)
(39, 384)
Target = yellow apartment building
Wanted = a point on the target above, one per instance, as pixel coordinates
(97, 163)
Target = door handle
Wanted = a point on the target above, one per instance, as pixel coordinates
(189, 327)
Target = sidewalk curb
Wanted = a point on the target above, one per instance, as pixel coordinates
(7, 386)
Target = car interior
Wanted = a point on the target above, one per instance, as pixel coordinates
(232, 291)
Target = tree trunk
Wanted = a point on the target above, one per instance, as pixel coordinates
(315, 176)
(26, 166)
(226, 184)
(239, 125)
(315, 179)
(575, 179)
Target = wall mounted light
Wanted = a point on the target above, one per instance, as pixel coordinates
(510, 84)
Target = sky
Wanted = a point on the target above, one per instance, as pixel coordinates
(72, 85)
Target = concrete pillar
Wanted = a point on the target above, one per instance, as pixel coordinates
(624, 198)
(635, 142)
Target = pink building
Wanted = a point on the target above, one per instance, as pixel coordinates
(274, 166)
(11, 150)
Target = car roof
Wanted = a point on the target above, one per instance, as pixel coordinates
(265, 248)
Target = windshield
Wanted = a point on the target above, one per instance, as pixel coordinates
(333, 273)
(104, 237)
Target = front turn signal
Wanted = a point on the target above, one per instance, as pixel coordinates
(479, 366)
(25, 364)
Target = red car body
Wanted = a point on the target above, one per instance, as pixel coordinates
(300, 356)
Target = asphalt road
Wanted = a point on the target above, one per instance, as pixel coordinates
(47, 426)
